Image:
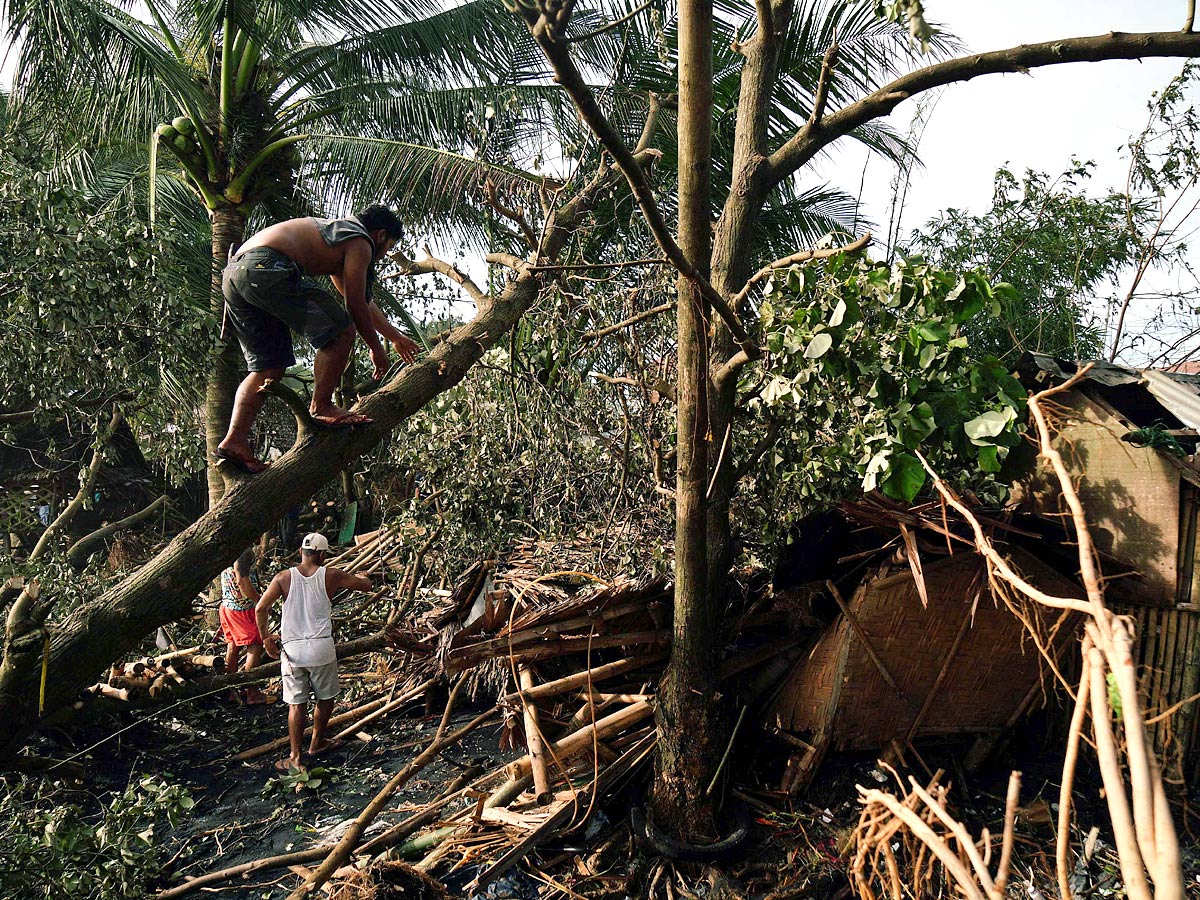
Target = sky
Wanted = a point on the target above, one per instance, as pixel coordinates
(1038, 121)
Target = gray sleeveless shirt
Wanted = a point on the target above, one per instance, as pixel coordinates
(338, 231)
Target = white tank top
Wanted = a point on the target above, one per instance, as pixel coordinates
(306, 629)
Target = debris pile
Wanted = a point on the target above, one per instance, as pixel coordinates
(155, 676)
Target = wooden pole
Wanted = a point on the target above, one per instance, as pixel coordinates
(340, 853)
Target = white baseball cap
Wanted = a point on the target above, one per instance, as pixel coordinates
(315, 541)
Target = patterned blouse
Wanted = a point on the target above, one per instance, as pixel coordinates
(231, 591)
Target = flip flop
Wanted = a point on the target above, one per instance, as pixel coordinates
(346, 420)
(285, 765)
(247, 464)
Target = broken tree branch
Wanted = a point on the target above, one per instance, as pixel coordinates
(545, 26)
(82, 548)
(431, 265)
(512, 213)
(625, 323)
(813, 137)
(799, 257)
(86, 486)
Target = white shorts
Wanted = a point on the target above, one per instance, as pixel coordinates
(302, 682)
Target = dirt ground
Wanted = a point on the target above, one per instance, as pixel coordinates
(797, 849)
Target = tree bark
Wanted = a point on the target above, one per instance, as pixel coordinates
(732, 264)
(690, 724)
(94, 634)
(228, 229)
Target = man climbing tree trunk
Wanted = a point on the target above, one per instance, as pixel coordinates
(96, 633)
(689, 715)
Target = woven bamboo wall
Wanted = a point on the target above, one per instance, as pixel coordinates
(1167, 654)
(986, 683)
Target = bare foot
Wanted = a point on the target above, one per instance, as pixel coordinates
(323, 747)
(255, 697)
(287, 764)
(335, 417)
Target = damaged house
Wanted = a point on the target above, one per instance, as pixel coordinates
(925, 648)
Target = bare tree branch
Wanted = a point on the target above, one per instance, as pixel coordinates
(625, 323)
(512, 213)
(505, 259)
(85, 487)
(799, 257)
(821, 98)
(431, 265)
(546, 28)
(815, 136)
(82, 548)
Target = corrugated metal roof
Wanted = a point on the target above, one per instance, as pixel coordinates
(1178, 394)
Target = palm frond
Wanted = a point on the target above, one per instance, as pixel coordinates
(438, 190)
(799, 221)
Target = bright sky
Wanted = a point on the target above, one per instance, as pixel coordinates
(1030, 121)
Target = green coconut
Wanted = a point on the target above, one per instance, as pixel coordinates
(184, 125)
(167, 132)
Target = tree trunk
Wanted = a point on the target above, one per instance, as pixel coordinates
(732, 261)
(94, 634)
(228, 228)
(690, 723)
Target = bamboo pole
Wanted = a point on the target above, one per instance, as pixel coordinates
(580, 679)
(341, 852)
(390, 706)
(340, 719)
(582, 739)
(533, 740)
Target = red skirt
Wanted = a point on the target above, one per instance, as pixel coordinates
(239, 626)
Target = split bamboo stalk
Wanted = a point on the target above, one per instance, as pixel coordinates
(537, 648)
(582, 739)
(390, 706)
(340, 719)
(533, 740)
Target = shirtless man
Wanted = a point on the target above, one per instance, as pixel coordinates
(269, 292)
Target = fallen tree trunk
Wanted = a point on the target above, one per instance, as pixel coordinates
(163, 590)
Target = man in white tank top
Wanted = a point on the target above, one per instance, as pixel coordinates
(304, 644)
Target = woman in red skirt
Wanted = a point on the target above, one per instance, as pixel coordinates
(239, 593)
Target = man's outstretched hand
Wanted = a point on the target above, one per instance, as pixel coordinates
(379, 359)
(406, 347)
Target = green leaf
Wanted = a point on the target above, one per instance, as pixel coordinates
(819, 345)
(905, 478)
(934, 331)
(989, 458)
(989, 425)
(839, 313)
(928, 354)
